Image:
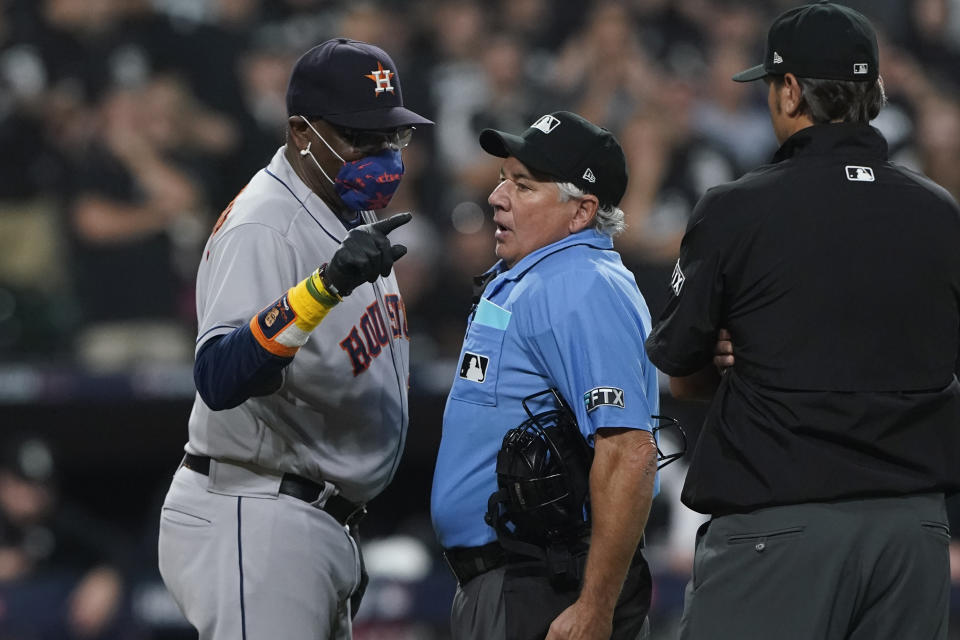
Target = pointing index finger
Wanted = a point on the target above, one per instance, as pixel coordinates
(391, 223)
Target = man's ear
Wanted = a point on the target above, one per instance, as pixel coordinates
(585, 214)
(298, 132)
(791, 95)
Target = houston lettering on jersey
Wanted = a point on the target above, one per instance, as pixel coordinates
(372, 333)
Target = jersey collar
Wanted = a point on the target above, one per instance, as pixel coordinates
(589, 237)
(281, 168)
(819, 139)
(284, 171)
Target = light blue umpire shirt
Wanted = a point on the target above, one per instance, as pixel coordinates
(567, 316)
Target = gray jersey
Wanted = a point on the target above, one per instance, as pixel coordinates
(341, 414)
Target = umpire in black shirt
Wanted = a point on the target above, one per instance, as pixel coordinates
(834, 435)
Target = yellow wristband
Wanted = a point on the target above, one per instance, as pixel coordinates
(311, 301)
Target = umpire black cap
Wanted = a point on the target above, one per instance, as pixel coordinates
(822, 40)
(570, 148)
(350, 84)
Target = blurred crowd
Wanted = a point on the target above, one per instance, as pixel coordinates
(64, 572)
(126, 127)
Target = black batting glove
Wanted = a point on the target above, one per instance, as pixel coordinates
(365, 255)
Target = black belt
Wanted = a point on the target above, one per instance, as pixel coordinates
(345, 512)
(467, 563)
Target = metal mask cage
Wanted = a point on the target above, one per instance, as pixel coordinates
(535, 429)
(663, 459)
(542, 470)
(664, 423)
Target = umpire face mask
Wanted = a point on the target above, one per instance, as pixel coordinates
(370, 182)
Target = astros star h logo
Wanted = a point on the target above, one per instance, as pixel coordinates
(382, 77)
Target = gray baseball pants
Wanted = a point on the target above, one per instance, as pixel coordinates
(246, 563)
(480, 607)
(873, 569)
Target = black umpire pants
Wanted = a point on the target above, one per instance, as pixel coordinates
(511, 603)
(871, 569)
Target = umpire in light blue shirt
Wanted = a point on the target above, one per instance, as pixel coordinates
(557, 311)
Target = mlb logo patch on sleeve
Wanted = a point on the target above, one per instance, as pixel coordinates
(610, 396)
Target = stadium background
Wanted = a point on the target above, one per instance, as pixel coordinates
(127, 125)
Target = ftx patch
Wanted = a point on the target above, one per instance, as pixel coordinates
(610, 396)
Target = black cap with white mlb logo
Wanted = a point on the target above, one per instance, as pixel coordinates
(823, 40)
(569, 148)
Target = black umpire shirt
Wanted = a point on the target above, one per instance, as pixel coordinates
(838, 275)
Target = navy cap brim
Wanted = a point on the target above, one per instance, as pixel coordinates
(751, 74)
(387, 118)
(503, 145)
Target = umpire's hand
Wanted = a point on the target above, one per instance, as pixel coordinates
(365, 255)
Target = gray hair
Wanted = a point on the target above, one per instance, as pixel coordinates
(609, 220)
(828, 101)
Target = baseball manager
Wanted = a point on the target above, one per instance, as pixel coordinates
(832, 279)
(301, 366)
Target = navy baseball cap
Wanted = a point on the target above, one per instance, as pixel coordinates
(823, 40)
(351, 84)
(570, 148)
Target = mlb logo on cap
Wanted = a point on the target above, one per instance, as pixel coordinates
(576, 151)
(823, 40)
(546, 124)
